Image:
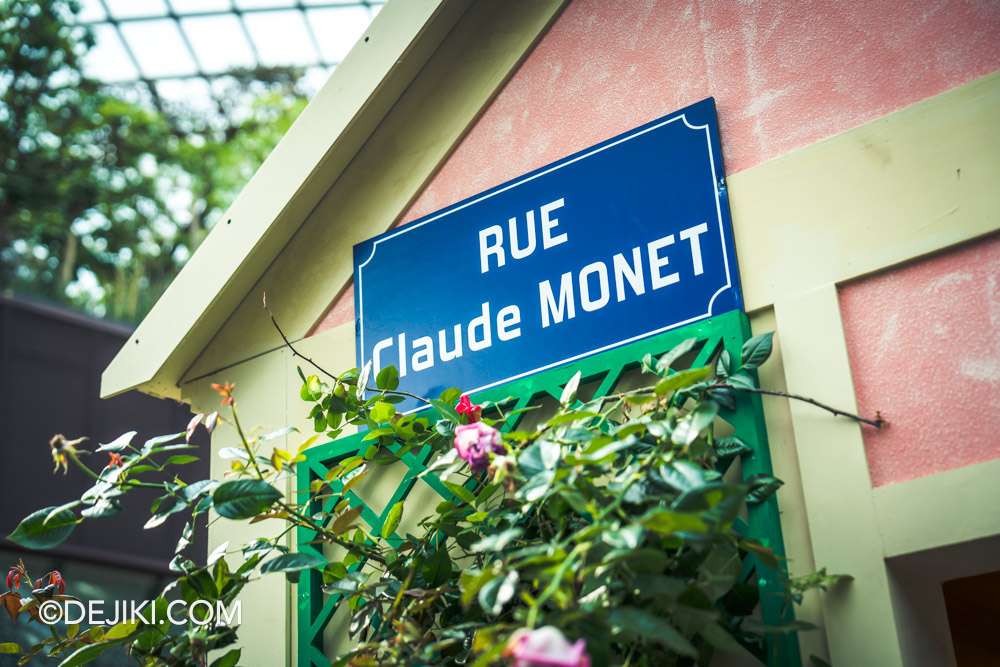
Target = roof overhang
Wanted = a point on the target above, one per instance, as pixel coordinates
(309, 160)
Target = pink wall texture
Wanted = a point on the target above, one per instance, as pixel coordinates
(924, 345)
(784, 74)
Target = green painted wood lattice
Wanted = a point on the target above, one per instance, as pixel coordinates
(606, 370)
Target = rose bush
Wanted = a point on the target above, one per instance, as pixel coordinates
(606, 535)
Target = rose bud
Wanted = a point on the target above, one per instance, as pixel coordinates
(545, 647)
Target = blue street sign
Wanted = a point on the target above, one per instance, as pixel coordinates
(618, 242)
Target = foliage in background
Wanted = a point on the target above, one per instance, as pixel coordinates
(605, 536)
(106, 190)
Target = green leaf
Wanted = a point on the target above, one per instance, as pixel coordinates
(460, 491)
(681, 380)
(537, 486)
(723, 363)
(647, 364)
(293, 563)
(86, 654)
(498, 592)
(363, 377)
(155, 443)
(119, 443)
(690, 427)
(742, 380)
(762, 487)
(446, 411)
(731, 446)
(228, 660)
(392, 521)
(572, 416)
(244, 498)
(437, 568)
(383, 412)
(497, 542)
(667, 522)
(756, 350)
(451, 396)
(102, 508)
(569, 391)
(673, 355)
(682, 475)
(10, 647)
(530, 460)
(764, 554)
(180, 459)
(550, 452)
(310, 390)
(121, 630)
(654, 628)
(719, 571)
(343, 522)
(387, 378)
(44, 529)
(659, 585)
(719, 638)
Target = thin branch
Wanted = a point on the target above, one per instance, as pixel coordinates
(878, 422)
(289, 345)
(307, 521)
(296, 353)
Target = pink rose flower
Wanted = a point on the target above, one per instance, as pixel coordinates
(545, 647)
(472, 412)
(474, 443)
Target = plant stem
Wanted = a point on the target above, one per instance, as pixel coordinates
(82, 467)
(296, 353)
(309, 523)
(246, 443)
(878, 422)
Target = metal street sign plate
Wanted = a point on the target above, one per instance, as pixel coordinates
(618, 242)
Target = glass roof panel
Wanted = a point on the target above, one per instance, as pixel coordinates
(281, 38)
(264, 4)
(183, 7)
(219, 43)
(156, 40)
(191, 92)
(127, 9)
(159, 48)
(91, 11)
(108, 60)
(337, 29)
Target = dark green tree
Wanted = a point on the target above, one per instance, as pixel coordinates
(108, 185)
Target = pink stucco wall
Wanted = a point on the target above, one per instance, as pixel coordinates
(784, 73)
(924, 345)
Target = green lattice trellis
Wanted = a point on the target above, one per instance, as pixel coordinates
(728, 331)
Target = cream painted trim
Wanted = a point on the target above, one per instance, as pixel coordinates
(791, 497)
(910, 183)
(859, 620)
(267, 395)
(281, 194)
(415, 138)
(938, 510)
(261, 391)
